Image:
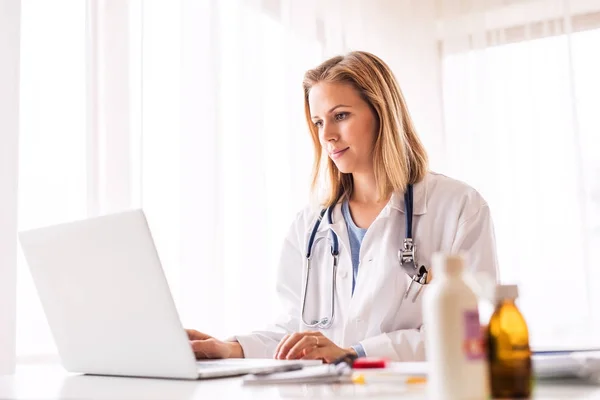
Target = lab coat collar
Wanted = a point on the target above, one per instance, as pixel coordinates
(396, 202)
(419, 199)
(338, 226)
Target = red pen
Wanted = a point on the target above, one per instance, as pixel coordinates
(369, 362)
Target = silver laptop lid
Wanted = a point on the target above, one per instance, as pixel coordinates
(106, 298)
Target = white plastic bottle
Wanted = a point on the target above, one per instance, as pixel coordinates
(453, 336)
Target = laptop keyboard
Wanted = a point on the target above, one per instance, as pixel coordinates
(221, 363)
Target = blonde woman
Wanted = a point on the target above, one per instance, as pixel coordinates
(362, 293)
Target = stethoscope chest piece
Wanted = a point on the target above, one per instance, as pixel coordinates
(407, 254)
(407, 260)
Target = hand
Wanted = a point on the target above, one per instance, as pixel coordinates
(309, 346)
(205, 346)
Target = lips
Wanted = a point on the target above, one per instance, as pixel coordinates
(338, 153)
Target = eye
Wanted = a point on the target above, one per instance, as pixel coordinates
(318, 124)
(341, 116)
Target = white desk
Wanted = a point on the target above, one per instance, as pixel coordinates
(51, 382)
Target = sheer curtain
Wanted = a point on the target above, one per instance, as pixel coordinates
(53, 175)
(226, 154)
(79, 98)
(520, 95)
(193, 111)
(9, 130)
(224, 157)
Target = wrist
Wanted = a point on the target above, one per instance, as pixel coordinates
(235, 350)
(351, 351)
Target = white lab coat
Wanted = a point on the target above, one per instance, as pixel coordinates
(449, 216)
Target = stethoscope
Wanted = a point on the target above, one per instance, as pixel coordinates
(406, 258)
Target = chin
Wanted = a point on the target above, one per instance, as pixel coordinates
(344, 168)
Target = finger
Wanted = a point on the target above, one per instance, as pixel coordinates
(204, 348)
(307, 342)
(281, 342)
(287, 344)
(291, 342)
(195, 335)
(314, 354)
(294, 339)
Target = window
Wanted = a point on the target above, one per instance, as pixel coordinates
(217, 148)
(225, 154)
(522, 127)
(52, 159)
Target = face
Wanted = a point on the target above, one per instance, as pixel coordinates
(346, 124)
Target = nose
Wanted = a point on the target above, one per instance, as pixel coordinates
(329, 132)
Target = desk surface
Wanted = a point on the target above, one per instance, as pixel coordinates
(52, 382)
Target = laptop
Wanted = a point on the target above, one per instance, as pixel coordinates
(108, 303)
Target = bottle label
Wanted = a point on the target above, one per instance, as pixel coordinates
(473, 342)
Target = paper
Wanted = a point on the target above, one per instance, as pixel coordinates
(565, 365)
(397, 371)
(320, 374)
(409, 368)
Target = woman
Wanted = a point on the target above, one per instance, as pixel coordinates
(357, 115)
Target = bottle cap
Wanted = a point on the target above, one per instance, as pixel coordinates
(451, 264)
(507, 292)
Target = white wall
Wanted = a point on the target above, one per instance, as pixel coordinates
(403, 34)
(9, 121)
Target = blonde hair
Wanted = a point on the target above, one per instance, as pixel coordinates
(399, 157)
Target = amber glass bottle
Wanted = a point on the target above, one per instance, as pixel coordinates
(509, 354)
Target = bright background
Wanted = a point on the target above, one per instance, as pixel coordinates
(192, 109)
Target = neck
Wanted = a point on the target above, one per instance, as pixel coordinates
(364, 189)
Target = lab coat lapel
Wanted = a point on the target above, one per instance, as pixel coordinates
(344, 270)
(339, 227)
(419, 199)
